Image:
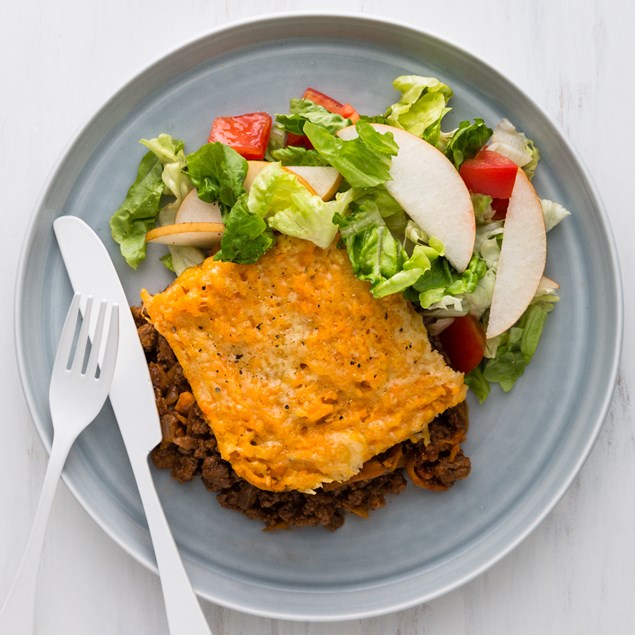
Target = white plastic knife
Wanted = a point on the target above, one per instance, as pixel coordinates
(92, 272)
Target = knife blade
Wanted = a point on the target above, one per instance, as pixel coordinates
(92, 272)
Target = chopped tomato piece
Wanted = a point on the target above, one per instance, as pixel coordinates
(322, 100)
(489, 173)
(500, 205)
(348, 112)
(464, 343)
(247, 134)
(298, 140)
(332, 105)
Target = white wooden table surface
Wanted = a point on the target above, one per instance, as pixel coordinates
(60, 60)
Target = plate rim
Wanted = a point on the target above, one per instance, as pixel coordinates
(379, 22)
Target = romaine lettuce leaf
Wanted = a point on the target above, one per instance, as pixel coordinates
(295, 155)
(218, 173)
(289, 207)
(515, 348)
(442, 281)
(422, 105)
(507, 355)
(137, 214)
(466, 141)
(363, 161)
(374, 253)
(247, 236)
(303, 110)
(377, 256)
(171, 153)
(182, 257)
(387, 207)
(478, 384)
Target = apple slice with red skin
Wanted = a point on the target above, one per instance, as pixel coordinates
(522, 258)
(430, 190)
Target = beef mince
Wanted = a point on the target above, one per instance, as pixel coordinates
(188, 449)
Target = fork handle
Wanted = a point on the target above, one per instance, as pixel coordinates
(17, 614)
(184, 613)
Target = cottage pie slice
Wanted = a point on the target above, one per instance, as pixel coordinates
(302, 374)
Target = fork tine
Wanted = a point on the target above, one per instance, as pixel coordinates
(65, 345)
(82, 339)
(107, 369)
(93, 359)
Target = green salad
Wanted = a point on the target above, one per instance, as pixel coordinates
(448, 218)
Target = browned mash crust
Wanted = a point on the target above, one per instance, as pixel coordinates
(303, 376)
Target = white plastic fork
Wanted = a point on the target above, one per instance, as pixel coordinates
(78, 390)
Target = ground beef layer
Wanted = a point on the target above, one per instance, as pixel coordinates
(189, 449)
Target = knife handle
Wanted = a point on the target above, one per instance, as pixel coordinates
(185, 616)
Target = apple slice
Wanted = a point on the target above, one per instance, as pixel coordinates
(254, 168)
(194, 210)
(430, 190)
(203, 235)
(322, 180)
(522, 258)
(547, 285)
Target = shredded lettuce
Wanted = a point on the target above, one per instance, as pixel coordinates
(422, 105)
(554, 213)
(363, 161)
(488, 242)
(483, 211)
(515, 146)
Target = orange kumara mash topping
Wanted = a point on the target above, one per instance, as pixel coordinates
(302, 374)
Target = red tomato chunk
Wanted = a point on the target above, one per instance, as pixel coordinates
(322, 100)
(464, 343)
(489, 173)
(247, 134)
(500, 205)
(332, 105)
(298, 140)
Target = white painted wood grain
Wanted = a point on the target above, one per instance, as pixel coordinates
(59, 61)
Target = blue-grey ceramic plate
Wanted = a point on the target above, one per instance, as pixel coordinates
(526, 447)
